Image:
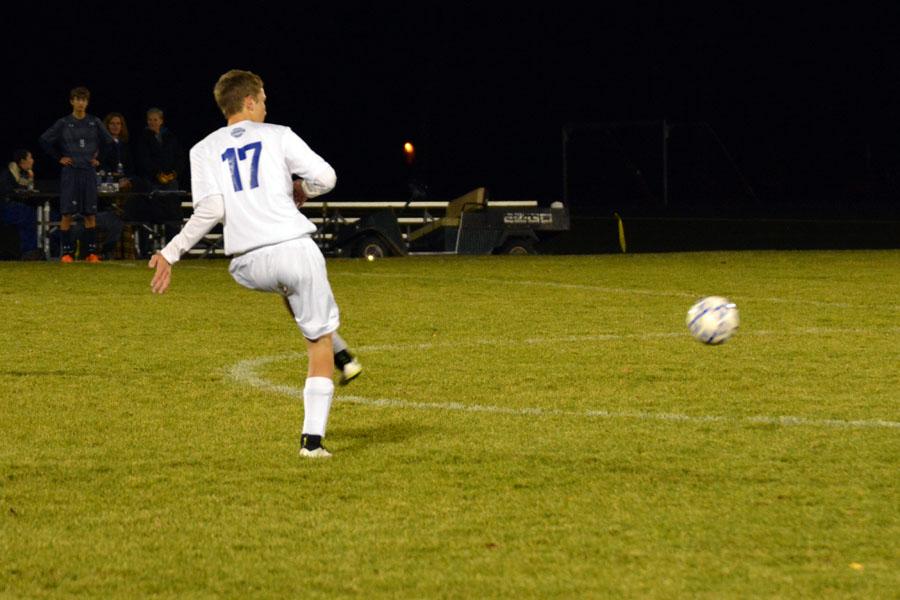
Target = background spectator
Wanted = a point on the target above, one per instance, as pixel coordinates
(16, 178)
(117, 158)
(161, 161)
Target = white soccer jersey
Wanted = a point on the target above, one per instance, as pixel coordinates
(242, 174)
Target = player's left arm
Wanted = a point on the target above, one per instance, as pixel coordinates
(163, 275)
(318, 177)
(207, 213)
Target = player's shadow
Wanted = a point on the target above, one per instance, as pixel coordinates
(394, 432)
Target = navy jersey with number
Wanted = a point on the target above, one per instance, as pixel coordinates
(79, 139)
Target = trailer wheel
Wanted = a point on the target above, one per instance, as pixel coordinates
(371, 246)
(519, 246)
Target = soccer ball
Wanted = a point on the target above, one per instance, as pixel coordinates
(713, 319)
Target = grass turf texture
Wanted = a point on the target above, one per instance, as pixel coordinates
(133, 463)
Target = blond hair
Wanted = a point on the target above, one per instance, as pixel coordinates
(233, 87)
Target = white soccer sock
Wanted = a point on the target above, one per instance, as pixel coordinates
(317, 395)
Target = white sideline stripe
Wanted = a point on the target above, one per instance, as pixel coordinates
(605, 337)
(607, 289)
(245, 372)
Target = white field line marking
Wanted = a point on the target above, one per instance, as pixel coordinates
(614, 290)
(245, 372)
(606, 337)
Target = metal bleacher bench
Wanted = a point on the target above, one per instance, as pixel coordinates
(412, 215)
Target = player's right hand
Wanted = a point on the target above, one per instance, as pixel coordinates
(163, 276)
(299, 194)
(66, 161)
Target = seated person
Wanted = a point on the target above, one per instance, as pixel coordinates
(18, 177)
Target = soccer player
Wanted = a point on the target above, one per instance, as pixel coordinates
(75, 142)
(241, 176)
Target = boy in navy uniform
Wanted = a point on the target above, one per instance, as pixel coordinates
(74, 141)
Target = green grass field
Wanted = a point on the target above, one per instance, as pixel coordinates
(525, 427)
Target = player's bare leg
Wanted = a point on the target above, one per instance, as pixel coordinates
(317, 396)
(344, 360)
(321, 356)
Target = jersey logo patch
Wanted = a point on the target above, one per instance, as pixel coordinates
(237, 132)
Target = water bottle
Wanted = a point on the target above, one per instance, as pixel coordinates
(100, 176)
(120, 169)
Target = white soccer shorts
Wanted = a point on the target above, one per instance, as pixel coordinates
(296, 270)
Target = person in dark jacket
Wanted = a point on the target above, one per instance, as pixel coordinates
(160, 163)
(161, 160)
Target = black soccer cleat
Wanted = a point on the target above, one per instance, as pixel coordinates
(311, 447)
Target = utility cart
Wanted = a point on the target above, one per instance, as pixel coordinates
(470, 224)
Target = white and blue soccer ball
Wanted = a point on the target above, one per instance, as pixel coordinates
(712, 320)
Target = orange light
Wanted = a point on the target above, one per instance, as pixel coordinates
(410, 153)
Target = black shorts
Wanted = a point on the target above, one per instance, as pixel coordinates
(78, 191)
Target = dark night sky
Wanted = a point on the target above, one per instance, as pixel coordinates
(806, 99)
